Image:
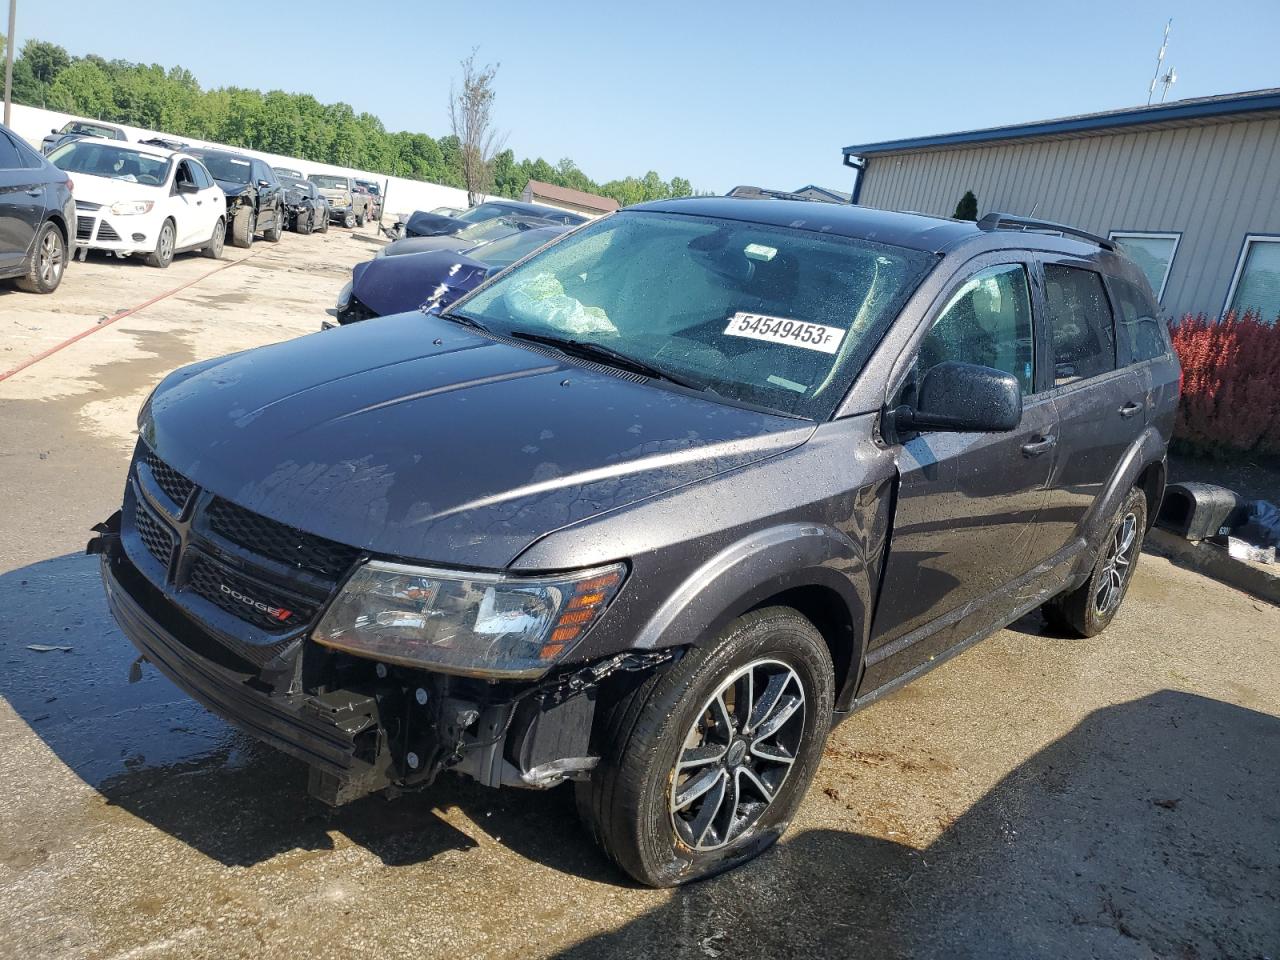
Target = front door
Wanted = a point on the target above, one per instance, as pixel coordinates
(965, 522)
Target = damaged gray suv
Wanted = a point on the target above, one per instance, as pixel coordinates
(651, 508)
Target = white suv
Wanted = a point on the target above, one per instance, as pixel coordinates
(134, 198)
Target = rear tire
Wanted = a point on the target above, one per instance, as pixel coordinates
(360, 219)
(276, 231)
(162, 256)
(1090, 608)
(48, 261)
(213, 249)
(681, 792)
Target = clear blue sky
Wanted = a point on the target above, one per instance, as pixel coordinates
(746, 92)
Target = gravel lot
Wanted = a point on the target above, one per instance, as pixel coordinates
(1034, 797)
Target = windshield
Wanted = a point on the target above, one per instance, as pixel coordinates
(486, 211)
(91, 130)
(504, 252)
(115, 163)
(225, 167)
(329, 183)
(488, 230)
(759, 314)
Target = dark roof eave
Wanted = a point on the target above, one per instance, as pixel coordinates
(1206, 108)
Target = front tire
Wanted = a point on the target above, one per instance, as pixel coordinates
(243, 227)
(1090, 608)
(703, 765)
(162, 256)
(324, 222)
(48, 261)
(349, 220)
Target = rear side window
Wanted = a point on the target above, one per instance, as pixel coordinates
(987, 321)
(1139, 332)
(1080, 324)
(10, 159)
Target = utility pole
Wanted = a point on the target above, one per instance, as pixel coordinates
(8, 61)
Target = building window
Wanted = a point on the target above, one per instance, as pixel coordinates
(1256, 284)
(1152, 252)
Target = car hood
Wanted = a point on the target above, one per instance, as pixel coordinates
(415, 437)
(106, 191)
(394, 284)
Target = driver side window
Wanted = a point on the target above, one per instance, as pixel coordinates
(987, 321)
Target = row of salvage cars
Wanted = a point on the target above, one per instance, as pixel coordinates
(153, 199)
(438, 256)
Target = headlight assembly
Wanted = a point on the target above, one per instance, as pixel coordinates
(129, 208)
(474, 624)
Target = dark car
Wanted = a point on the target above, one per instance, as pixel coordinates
(486, 231)
(75, 129)
(36, 214)
(255, 199)
(652, 508)
(423, 224)
(386, 285)
(305, 207)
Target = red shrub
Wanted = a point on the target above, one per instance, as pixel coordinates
(1230, 385)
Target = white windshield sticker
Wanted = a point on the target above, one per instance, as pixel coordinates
(794, 333)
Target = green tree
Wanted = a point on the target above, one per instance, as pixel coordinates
(46, 60)
(84, 89)
(967, 208)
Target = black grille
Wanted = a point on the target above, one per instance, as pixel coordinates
(280, 541)
(84, 228)
(107, 232)
(176, 487)
(154, 534)
(246, 599)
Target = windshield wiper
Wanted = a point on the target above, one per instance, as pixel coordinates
(464, 320)
(599, 352)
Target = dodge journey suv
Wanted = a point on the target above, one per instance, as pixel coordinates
(651, 507)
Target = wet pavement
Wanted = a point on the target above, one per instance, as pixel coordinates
(1034, 797)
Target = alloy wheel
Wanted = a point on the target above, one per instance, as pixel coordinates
(50, 260)
(1117, 566)
(737, 755)
(166, 243)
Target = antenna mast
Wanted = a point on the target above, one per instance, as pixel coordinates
(1170, 78)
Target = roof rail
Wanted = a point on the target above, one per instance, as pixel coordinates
(1007, 221)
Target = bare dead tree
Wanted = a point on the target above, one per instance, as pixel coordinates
(470, 111)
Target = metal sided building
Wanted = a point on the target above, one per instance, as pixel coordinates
(1189, 189)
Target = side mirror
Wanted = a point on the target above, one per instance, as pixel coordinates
(54, 130)
(186, 186)
(964, 398)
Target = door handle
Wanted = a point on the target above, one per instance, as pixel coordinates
(1037, 447)
(1130, 409)
(35, 191)
(199, 202)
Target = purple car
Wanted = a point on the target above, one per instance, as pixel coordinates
(386, 285)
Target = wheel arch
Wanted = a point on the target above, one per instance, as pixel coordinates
(814, 569)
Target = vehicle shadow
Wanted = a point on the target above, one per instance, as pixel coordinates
(1150, 829)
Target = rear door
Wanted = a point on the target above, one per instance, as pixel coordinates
(268, 194)
(212, 203)
(21, 205)
(1101, 404)
(965, 523)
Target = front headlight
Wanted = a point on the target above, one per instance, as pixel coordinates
(344, 296)
(474, 624)
(128, 208)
